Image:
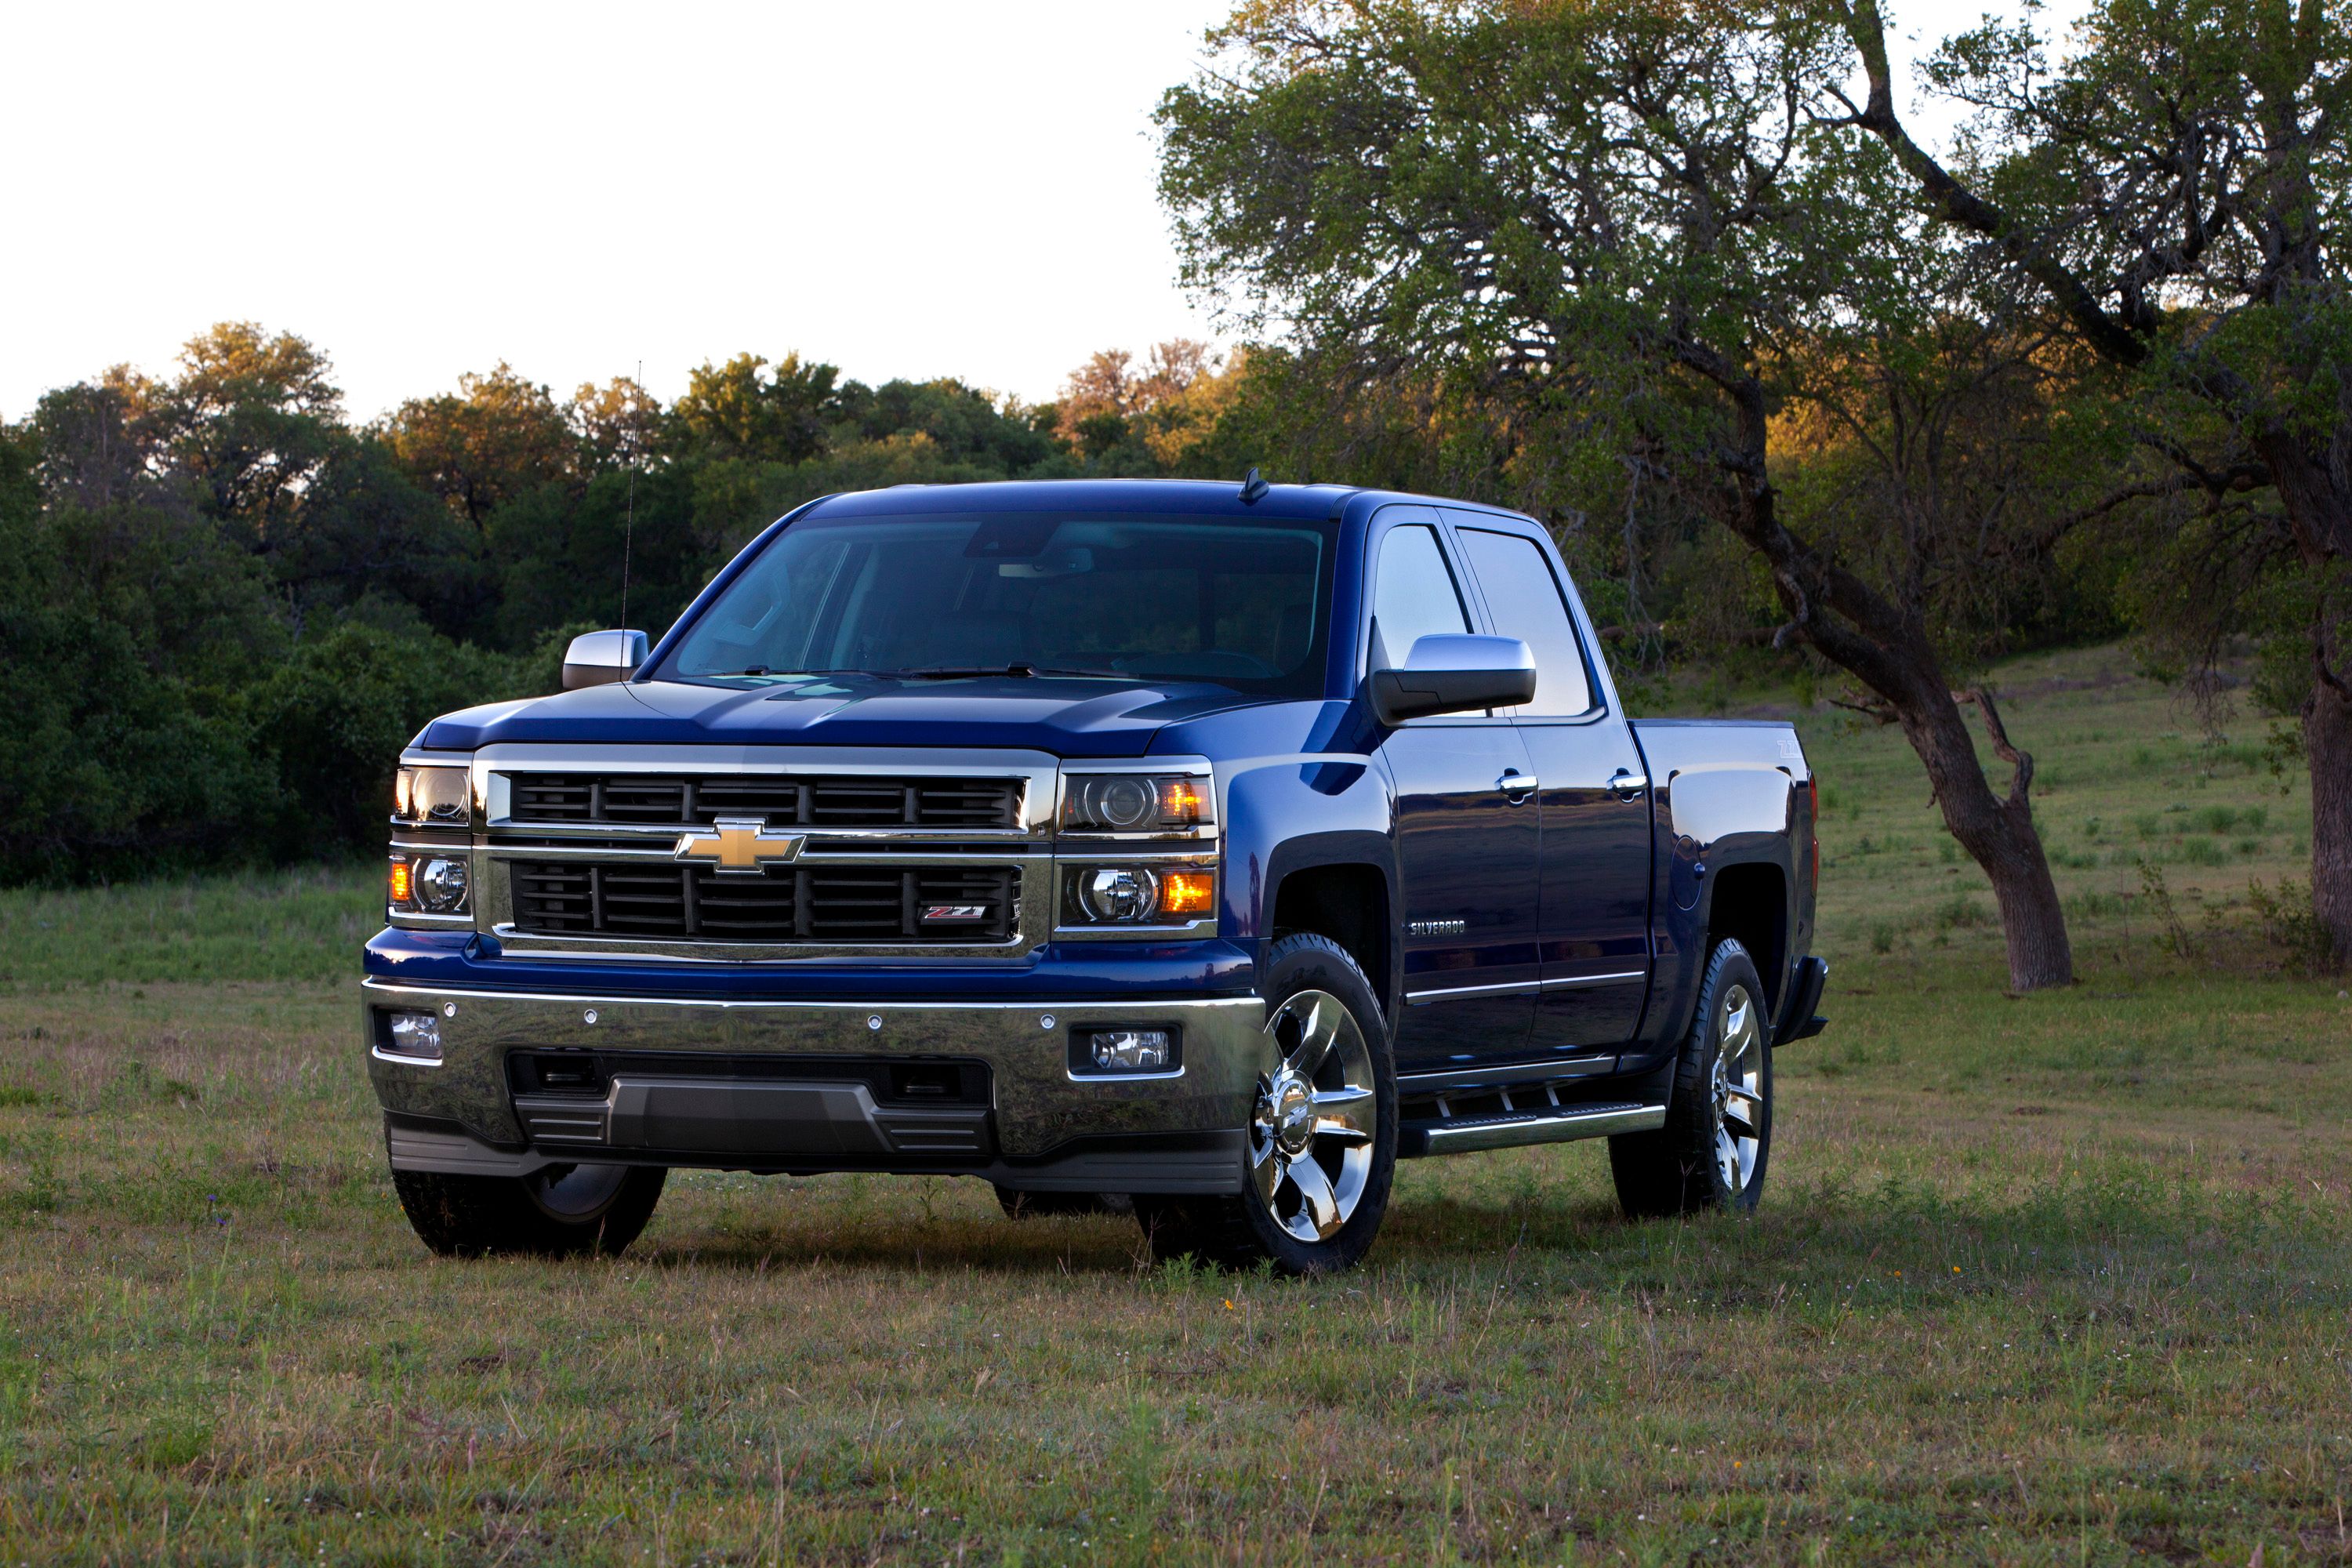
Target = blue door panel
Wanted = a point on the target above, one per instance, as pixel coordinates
(1468, 857)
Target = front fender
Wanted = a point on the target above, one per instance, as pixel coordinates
(1284, 814)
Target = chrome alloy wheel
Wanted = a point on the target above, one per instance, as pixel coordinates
(1738, 1088)
(1311, 1135)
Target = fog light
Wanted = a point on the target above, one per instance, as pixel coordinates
(441, 887)
(417, 1035)
(1132, 1051)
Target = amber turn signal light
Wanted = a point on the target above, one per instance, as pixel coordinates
(1187, 892)
(1180, 803)
(400, 883)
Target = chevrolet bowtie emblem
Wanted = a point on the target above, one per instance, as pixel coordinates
(740, 845)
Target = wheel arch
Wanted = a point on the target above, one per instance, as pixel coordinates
(1343, 887)
(1749, 903)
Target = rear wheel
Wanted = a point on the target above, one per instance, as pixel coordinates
(557, 1211)
(1322, 1136)
(1712, 1152)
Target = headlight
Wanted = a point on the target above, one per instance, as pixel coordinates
(1138, 895)
(427, 884)
(1135, 802)
(433, 798)
(441, 886)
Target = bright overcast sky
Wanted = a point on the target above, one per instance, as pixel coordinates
(904, 189)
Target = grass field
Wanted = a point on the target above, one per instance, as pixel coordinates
(2060, 1278)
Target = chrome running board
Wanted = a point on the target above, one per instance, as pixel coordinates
(1510, 1128)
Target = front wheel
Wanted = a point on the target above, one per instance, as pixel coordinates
(1322, 1135)
(1712, 1150)
(557, 1211)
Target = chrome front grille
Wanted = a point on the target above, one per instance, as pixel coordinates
(815, 801)
(944, 853)
(865, 904)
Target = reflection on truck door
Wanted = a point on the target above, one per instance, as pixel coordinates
(1468, 850)
(1593, 910)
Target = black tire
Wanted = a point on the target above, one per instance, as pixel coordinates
(1251, 1229)
(1682, 1167)
(560, 1211)
(1041, 1205)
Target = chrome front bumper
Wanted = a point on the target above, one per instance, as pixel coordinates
(1041, 1125)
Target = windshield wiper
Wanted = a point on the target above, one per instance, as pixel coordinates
(954, 671)
(1018, 669)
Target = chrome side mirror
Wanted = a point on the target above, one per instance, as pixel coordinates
(1453, 672)
(596, 659)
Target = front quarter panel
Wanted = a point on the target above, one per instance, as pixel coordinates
(1297, 788)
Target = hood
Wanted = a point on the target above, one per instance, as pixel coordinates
(1063, 716)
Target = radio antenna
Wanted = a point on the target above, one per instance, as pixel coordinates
(629, 524)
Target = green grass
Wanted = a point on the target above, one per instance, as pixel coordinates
(2060, 1278)
(294, 925)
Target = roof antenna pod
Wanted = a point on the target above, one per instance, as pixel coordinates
(1253, 488)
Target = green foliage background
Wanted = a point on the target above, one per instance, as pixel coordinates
(224, 606)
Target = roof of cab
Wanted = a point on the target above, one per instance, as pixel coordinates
(1211, 497)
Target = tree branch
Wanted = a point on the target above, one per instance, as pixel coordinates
(2020, 778)
(1963, 207)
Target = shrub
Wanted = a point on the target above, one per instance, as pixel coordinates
(2290, 924)
(336, 715)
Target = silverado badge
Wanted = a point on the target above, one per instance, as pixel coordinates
(745, 845)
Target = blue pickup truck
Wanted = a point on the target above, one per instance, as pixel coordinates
(1193, 848)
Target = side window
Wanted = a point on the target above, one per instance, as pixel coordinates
(1525, 603)
(1413, 594)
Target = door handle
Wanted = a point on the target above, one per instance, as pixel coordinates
(1628, 785)
(1517, 788)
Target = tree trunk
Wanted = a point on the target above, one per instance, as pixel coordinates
(1998, 835)
(2327, 743)
(2319, 517)
(1887, 648)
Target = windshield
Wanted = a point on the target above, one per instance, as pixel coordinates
(1041, 594)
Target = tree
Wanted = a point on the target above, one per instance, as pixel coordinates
(245, 424)
(739, 410)
(496, 437)
(2175, 188)
(619, 425)
(1622, 223)
(133, 619)
(965, 422)
(559, 553)
(367, 528)
(1105, 395)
